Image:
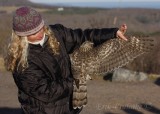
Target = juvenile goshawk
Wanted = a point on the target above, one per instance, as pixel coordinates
(88, 60)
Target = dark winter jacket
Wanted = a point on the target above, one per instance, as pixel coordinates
(45, 87)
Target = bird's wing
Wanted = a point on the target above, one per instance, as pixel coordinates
(117, 53)
(108, 56)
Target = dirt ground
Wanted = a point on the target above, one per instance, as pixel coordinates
(104, 97)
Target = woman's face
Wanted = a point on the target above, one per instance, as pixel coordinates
(37, 36)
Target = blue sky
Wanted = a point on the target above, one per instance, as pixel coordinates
(61, 1)
(104, 3)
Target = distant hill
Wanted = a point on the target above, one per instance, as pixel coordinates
(14, 2)
(22, 3)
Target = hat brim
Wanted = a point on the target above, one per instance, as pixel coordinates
(33, 31)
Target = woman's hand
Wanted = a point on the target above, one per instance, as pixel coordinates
(122, 30)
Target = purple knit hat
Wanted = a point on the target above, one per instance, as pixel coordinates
(27, 21)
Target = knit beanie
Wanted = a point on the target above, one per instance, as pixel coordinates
(27, 21)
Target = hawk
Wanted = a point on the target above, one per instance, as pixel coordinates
(89, 60)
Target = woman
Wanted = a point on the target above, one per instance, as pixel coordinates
(38, 57)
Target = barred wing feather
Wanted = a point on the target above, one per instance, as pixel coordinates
(89, 60)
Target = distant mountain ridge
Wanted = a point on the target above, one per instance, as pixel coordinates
(15, 2)
(22, 3)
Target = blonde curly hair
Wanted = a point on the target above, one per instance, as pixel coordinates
(17, 51)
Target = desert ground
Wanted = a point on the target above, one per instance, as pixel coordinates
(104, 97)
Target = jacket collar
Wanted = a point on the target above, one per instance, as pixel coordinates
(39, 46)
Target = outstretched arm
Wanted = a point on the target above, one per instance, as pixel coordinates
(73, 38)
